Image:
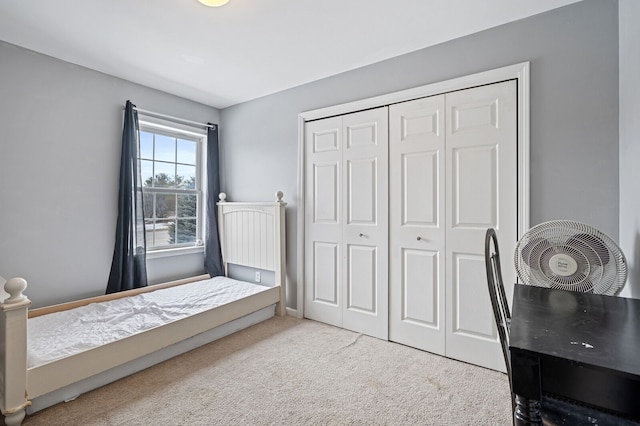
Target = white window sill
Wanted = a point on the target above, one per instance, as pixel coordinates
(178, 251)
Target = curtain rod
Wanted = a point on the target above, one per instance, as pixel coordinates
(176, 119)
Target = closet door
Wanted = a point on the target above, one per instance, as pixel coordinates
(416, 224)
(481, 191)
(323, 221)
(346, 221)
(365, 222)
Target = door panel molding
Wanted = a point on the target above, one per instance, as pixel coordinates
(412, 296)
(420, 209)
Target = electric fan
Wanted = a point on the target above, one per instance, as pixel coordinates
(570, 255)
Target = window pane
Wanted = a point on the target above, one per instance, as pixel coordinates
(148, 227)
(187, 205)
(146, 145)
(165, 149)
(147, 205)
(186, 231)
(186, 176)
(186, 152)
(165, 206)
(164, 232)
(165, 175)
(146, 171)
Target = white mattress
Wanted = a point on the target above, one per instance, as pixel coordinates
(65, 333)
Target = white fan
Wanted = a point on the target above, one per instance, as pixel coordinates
(570, 255)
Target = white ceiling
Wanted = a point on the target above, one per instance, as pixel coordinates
(248, 48)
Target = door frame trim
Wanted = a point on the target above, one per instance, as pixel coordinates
(519, 72)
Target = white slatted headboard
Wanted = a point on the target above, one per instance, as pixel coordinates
(253, 235)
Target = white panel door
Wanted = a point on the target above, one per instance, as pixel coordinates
(323, 221)
(416, 224)
(365, 222)
(481, 188)
(346, 221)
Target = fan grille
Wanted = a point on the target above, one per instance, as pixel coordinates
(572, 256)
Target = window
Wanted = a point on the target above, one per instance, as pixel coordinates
(170, 166)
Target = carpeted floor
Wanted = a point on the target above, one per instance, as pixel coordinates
(288, 371)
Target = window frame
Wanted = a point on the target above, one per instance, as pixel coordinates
(176, 130)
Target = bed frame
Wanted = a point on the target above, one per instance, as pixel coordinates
(251, 235)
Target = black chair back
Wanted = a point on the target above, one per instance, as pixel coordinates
(498, 297)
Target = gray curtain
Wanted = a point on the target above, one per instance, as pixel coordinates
(129, 266)
(212, 253)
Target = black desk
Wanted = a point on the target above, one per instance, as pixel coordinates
(581, 346)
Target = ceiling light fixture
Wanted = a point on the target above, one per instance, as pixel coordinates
(214, 3)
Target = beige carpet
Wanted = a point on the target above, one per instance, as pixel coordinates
(288, 371)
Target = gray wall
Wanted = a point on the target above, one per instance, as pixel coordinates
(57, 172)
(60, 137)
(574, 114)
(630, 141)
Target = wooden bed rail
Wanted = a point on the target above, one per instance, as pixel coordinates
(13, 352)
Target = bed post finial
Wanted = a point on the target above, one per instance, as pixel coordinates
(279, 196)
(14, 287)
(13, 340)
(223, 197)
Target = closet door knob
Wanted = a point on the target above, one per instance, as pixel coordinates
(361, 234)
(419, 238)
